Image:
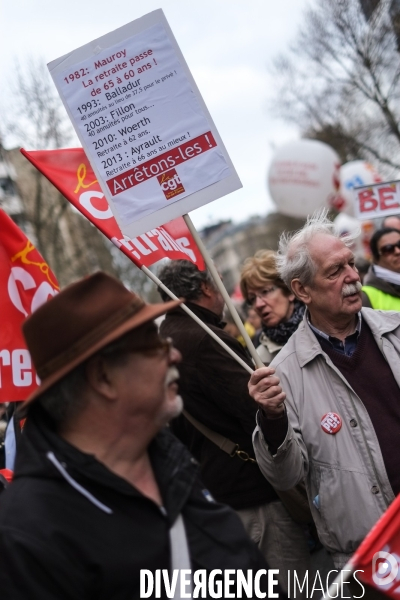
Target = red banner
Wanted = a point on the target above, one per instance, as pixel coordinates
(160, 164)
(70, 172)
(26, 281)
(378, 557)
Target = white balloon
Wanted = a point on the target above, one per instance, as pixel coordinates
(345, 224)
(353, 174)
(304, 176)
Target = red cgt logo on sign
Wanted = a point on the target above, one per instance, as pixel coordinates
(170, 184)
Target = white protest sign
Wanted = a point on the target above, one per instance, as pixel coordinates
(377, 200)
(143, 124)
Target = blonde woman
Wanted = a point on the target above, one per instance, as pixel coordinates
(280, 312)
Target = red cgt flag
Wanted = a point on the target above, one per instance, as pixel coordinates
(378, 556)
(26, 281)
(70, 172)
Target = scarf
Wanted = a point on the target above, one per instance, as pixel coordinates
(282, 332)
(386, 275)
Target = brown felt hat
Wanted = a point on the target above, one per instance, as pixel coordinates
(82, 319)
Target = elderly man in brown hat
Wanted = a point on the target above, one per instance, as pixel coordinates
(105, 502)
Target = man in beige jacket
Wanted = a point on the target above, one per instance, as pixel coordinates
(331, 412)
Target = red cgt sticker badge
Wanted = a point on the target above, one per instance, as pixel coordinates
(331, 423)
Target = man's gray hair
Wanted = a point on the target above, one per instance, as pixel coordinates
(64, 400)
(184, 279)
(293, 260)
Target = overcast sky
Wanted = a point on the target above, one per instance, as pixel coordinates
(228, 45)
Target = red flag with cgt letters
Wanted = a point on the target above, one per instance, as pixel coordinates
(70, 172)
(377, 559)
(26, 281)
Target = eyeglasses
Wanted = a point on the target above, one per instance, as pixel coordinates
(389, 248)
(162, 348)
(263, 295)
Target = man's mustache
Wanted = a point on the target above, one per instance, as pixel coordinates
(172, 375)
(351, 288)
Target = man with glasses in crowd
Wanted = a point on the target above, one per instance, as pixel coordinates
(102, 490)
(381, 289)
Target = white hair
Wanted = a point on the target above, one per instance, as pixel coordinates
(293, 260)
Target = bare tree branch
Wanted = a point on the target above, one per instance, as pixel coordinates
(72, 246)
(342, 74)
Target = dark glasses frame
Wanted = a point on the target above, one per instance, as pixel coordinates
(162, 347)
(389, 248)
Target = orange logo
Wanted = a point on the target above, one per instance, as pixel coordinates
(43, 266)
(81, 176)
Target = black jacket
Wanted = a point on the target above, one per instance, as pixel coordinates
(84, 534)
(214, 390)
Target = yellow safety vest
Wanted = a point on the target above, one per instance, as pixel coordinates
(380, 300)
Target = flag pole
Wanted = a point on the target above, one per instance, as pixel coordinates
(216, 276)
(196, 318)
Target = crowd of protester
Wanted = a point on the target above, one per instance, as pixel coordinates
(287, 468)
